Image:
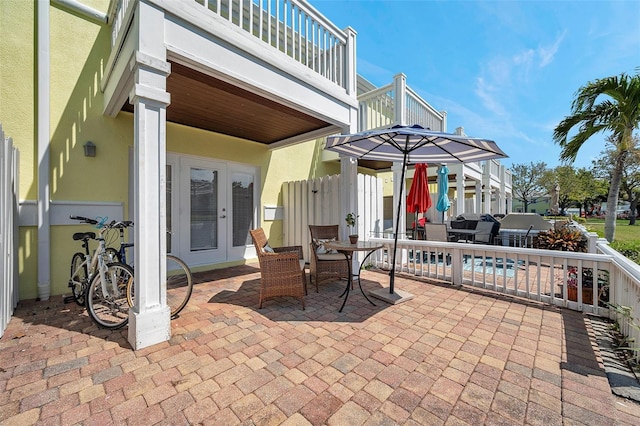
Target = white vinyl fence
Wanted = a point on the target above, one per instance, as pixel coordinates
(317, 202)
(8, 229)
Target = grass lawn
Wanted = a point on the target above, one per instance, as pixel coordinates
(624, 232)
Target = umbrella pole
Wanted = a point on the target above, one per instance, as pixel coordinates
(392, 274)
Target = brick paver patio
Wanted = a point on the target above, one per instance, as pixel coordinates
(449, 356)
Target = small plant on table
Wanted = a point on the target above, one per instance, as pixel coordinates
(351, 223)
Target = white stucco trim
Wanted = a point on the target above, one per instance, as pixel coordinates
(43, 138)
(61, 210)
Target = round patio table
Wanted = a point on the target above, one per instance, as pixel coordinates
(347, 249)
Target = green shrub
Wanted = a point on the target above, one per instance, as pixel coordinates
(564, 239)
(580, 220)
(629, 249)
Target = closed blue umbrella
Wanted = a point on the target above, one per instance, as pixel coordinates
(443, 203)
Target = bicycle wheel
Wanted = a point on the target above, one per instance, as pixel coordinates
(107, 301)
(78, 280)
(179, 284)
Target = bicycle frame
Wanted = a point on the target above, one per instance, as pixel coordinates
(96, 262)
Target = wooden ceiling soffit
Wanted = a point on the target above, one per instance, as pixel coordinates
(204, 102)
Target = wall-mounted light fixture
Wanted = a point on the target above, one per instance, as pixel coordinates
(89, 149)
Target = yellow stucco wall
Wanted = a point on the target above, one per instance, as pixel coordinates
(297, 162)
(79, 51)
(18, 85)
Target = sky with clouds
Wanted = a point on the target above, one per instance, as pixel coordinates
(503, 70)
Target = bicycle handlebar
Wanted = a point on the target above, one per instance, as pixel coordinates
(114, 224)
(121, 224)
(84, 219)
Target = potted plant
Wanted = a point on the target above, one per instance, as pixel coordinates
(351, 223)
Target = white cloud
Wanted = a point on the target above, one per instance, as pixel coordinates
(489, 94)
(524, 58)
(375, 73)
(547, 53)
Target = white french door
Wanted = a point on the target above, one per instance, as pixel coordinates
(211, 206)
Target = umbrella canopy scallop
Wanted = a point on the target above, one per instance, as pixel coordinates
(414, 144)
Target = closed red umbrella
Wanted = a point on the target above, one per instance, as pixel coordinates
(419, 199)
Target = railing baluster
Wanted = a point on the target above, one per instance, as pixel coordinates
(269, 15)
(306, 37)
(285, 27)
(314, 45)
(277, 25)
(299, 25)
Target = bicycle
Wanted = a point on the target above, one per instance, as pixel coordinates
(81, 274)
(101, 282)
(179, 277)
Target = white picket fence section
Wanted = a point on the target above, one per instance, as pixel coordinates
(317, 202)
(9, 160)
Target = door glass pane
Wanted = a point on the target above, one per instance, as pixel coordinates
(242, 199)
(168, 205)
(204, 209)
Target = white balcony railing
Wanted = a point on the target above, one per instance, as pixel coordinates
(417, 111)
(396, 103)
(293, 27)
(377, 109)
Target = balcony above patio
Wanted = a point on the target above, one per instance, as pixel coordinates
(273, 71)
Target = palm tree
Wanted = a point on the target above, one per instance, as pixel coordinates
(617, 111)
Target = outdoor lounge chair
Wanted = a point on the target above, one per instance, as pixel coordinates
(325, 266)
(486, 233)
(281, 269)
(436, 232)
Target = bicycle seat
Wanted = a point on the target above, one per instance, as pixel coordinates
(84, 236)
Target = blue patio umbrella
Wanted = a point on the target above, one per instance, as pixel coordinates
(411, 145)
(443, 203)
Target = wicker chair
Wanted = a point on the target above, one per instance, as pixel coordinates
(325, 266)
(281, 269)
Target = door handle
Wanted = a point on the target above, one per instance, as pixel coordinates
(223, 216)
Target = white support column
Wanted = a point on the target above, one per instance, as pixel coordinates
(400, 90)
(478, 197)
(396, 168)
(44, 137)
(149, 319)
(502, 196)
(486, 183)
(459, 169)
(486, 207)
(351, 77)
(348, 190)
